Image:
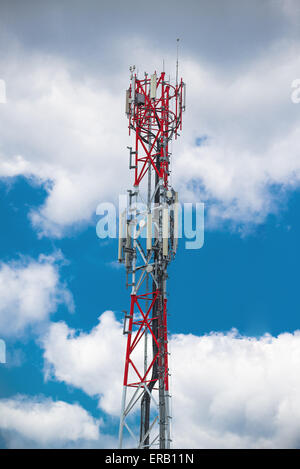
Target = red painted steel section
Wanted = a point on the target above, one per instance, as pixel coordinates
(136, 331)
(154, 114)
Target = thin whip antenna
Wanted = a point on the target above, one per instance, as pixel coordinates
(177, 61)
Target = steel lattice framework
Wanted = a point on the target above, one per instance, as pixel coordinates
(147, 243)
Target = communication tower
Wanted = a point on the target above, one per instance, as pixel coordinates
(147, 243)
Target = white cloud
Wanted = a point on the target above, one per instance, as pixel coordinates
(92, 362)
(40, 422)
(229, 391)
(236, 392)
(70, 132)
(253, 130)
(68, 127)
(30, 291)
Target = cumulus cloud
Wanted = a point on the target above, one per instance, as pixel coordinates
(252, 131)
(30, 290)
(41, 422)
(228, 391)
(66, 128)
(91, 361)
(231, 391)
(69, 132)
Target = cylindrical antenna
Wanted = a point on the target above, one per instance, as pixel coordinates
(177, 40)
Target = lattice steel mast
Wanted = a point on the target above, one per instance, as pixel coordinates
(147, 243)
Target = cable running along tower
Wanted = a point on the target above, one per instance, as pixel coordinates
(147, 244)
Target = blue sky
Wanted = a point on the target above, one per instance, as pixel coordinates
(234, 304)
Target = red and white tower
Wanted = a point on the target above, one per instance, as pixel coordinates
(147, 243)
